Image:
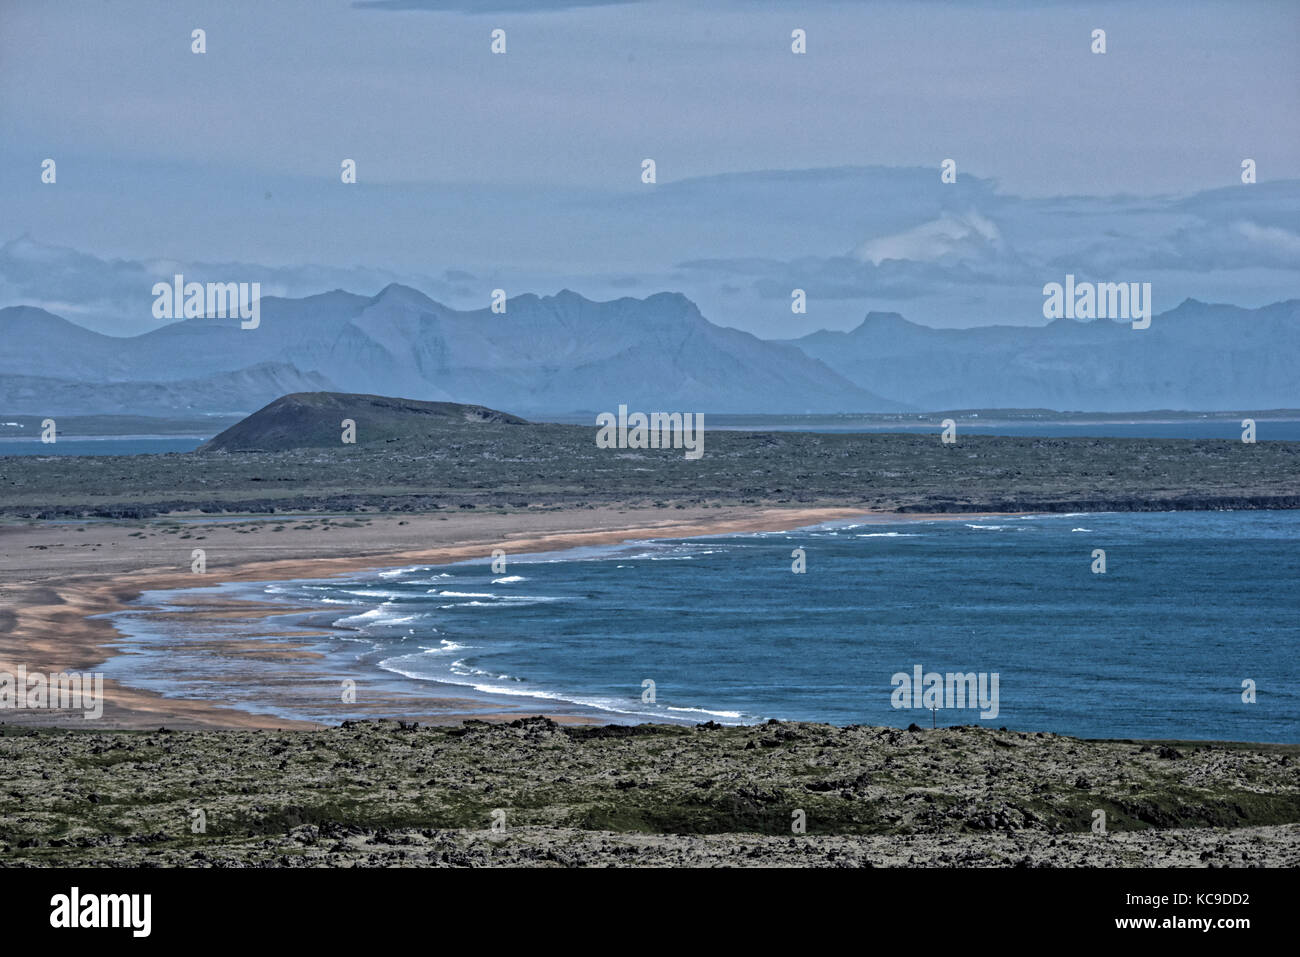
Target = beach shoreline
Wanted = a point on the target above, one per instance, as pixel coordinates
(57, 586)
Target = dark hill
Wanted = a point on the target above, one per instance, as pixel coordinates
(314, 420)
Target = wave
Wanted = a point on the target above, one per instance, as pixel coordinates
(398, 572)
(479, 680)
(380, 616)
(445, 647)
(717, 714)
(506, 601)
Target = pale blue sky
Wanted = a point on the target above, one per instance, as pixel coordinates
(523, 170)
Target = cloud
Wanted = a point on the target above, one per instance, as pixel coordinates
(737, 244)
(847, 277)
(954, 238)
(989, 263)
(1283, 244)
(1200, 247)
(115, 296)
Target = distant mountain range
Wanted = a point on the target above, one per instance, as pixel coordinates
(1194, 357)
(563, 353)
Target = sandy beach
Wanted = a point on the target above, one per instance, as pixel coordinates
(56, 578)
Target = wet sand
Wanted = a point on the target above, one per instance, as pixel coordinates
(54, 578)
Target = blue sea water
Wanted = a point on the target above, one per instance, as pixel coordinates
(1191, 605)
(103, 445)
(1187, 426)
(1267, 430)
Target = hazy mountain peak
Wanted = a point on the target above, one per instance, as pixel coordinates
(874, 321)
(333, 296)
(27, 312)
(395, 293)
(1197, 356)
(29, 321)
(677, 299)
(568, 295)
(876, 315)
(567, 352)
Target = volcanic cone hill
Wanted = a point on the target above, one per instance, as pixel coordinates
(315, 420)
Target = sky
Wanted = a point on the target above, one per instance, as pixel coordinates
(774, 170)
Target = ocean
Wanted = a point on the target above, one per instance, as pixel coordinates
(1193, 613)
(103, 445)
(1267, 430)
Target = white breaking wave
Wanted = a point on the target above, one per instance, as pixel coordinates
(716, 714)
(394, 664)
(519, 601)
(474, 678)
(397, 572)
(380, 616)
